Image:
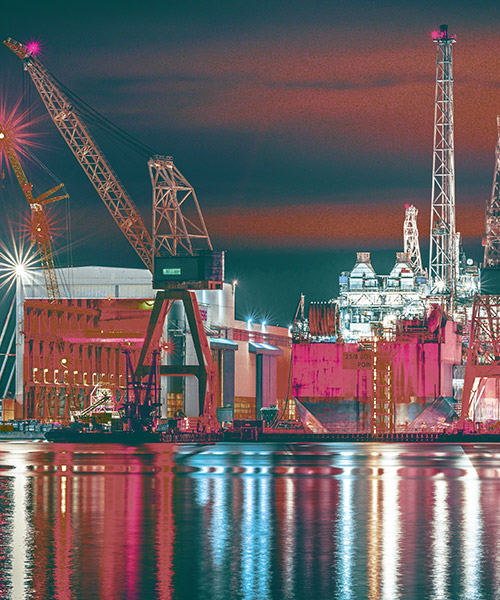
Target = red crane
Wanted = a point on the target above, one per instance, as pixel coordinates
(40, 232)
(179, 253)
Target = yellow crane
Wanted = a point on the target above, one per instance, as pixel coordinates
(40, 232)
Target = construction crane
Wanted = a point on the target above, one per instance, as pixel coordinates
(179, 253)
(40, 232)
(483, 359)
(443, 255)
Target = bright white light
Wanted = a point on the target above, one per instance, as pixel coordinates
(20, 270)
(2, 135)
(16, 264)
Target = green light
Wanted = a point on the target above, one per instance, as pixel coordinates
(171, 271)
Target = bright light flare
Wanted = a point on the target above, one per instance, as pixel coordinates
(19, 264)
(20, 270)
(15, 129)
(34, 47)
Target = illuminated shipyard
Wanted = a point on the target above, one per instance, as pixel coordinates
(411, 351)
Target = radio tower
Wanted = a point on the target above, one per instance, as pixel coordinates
(443, 258)
(411, 244)
(492, 237)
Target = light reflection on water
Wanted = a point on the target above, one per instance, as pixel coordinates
(250, 522)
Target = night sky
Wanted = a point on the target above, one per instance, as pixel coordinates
(305, 127)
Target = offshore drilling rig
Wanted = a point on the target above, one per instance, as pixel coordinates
(398, 356)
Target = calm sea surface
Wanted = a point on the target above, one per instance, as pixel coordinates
(249, 521)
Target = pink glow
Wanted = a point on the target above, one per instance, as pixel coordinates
(33, 47)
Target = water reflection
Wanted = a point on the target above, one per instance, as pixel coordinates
(249, 522)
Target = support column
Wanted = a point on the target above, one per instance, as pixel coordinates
(265, 375)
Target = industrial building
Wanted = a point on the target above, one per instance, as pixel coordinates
(73, 349)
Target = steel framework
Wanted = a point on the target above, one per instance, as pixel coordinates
(40, 232)
(443, 256)
(411, 242)
(174, 230)
(492, 237)
(483, 360)
(176, 227)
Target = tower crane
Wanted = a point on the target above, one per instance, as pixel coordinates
(40, 232)
(179, 253)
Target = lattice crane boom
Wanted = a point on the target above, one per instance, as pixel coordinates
(88, 154)
(40, 232)
(492, 234)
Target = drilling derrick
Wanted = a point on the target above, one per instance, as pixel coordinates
(443, 257)
(411, 243)
(483, 359)
(492, 236)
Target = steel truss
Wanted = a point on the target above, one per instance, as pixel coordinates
(88, 154)
(483, 360)
(411, 242)
(443, 257)
(175, 227)
(492, 237)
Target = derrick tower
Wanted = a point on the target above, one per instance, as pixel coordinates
(492, 233)
(483, 359)
(411, 243)
(443, 256)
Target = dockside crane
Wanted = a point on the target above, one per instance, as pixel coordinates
(179, 253)
(40, 232)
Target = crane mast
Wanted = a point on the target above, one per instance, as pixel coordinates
(88, 154)
(443, 256)
(40, 232)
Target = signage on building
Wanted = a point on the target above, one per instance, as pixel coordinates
(362, 359)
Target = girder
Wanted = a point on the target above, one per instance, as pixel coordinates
(177, 217)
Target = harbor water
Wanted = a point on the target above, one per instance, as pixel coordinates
(249, 521)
